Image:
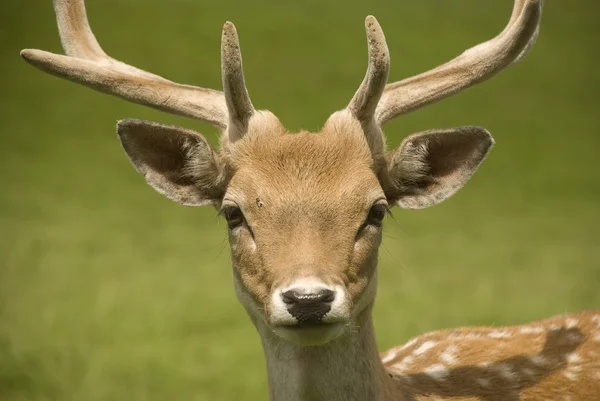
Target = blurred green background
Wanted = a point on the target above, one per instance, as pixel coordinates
(110, 292)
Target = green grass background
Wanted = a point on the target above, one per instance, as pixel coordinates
(110, 292)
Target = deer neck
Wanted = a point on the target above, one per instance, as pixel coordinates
(345, 369)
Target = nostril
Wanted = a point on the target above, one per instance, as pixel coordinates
(327, 296)
(289, 297)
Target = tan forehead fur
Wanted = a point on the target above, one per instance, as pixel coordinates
(283, 167)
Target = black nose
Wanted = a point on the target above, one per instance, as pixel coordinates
(308, 307)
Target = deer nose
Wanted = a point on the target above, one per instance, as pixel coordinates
(308, 307)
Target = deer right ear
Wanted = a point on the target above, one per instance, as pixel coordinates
(177, 162)
(431, 166)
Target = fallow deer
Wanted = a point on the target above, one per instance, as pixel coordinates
(305, 212)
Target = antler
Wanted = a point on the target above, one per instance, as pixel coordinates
(86, 63)
(236, 95)
(475, 65)
(364, 102)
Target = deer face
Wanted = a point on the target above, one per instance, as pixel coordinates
(305, 217)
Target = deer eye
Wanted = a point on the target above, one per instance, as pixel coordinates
(377, 214)
(234, 216)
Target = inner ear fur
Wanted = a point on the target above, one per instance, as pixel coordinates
(177, 162)
(429, 167)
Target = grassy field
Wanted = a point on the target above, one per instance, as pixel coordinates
(110, 292)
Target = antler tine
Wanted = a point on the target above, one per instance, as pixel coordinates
(475, 65)
(76, 36)
(87, 64)
(365, 100)
(517, 9)
(238, 101)
(534, 36)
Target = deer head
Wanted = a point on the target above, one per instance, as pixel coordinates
(304, 210)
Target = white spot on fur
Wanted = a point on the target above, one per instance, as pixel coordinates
(409, 344)
(483, 365)
(448, 356)
(597, 337)
(528, 372)
(499, 334)
(408, 360)
(575, 336)
(531, 330)
(437, 372)
(538, 360)
(426, 346)
(389, 357)
(573, 357)
(596, 319)
(463, 336)
(570, 375)
(572, 322)
(400, 367)
(404, 363)
(506, 371)
(485, 383)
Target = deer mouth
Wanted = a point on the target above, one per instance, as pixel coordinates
(310, 333)
(311, 325)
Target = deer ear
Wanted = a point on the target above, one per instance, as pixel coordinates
(431, 166)
(177, 162)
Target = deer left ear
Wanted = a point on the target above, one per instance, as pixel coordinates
(431, 166)
(177, 162)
